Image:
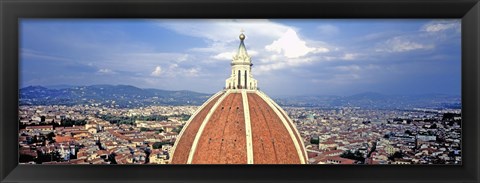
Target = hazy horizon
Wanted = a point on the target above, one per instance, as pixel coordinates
(60, 86)
(290, 57)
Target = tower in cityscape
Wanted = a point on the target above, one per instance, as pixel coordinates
(239, 125)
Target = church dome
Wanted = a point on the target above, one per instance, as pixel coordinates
(239, 125)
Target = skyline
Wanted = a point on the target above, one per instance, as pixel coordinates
(290, 57)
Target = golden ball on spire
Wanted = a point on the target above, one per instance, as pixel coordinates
(242, 36)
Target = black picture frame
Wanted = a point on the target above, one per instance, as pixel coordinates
(12, 10)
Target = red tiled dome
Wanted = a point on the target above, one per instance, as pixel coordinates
(239, 127)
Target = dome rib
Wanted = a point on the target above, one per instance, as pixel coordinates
(290, 126)
(285, 123)
(261, 134)
(271, 142)
(239, 127)
(248, 128)
(202, 126)
(185, 138)
(223, 139)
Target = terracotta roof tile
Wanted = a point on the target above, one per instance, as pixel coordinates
(223, 140)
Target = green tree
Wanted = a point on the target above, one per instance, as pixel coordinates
(357, 155)
(144, 129)
(408, 132)
(50, 136)
(177, 129)
(158, 145)
(396, 155)
(25, 158)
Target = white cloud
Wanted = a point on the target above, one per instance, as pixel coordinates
(357, 68)
(438, 26)
(269, 67)
(400, 44)
(28, 53)
(252, 53)
(290, 45)
(214, 47)
(182, 57)
(348, 68)
(276, 63)
(157, 72)
(192, 72)
(321, 50)
(349, 56)
(272, 45)
(175, 70)
(222, 30)
(224, 56)
(106, 71)
(142, 62)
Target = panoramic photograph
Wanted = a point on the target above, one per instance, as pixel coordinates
(240, 91)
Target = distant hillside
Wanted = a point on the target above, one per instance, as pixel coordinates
(126, 96)
(108, 95)
(375, 101)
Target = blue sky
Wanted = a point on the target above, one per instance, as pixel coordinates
(290, 56)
